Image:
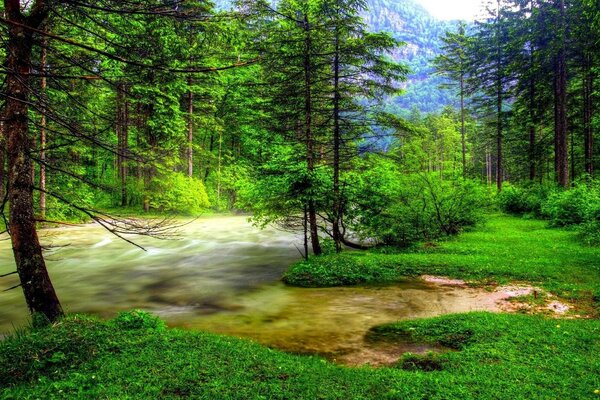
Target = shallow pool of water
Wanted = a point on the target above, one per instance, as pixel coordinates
(223, 276)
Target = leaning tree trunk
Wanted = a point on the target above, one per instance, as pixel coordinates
(35, 281)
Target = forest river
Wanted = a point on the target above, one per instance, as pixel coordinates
(222, 275)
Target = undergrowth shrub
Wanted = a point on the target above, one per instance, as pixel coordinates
(174, 192)
(524, 200)
(402, 209)
(576, 206)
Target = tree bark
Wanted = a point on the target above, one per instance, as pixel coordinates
(337, 205)
(43, 139)
(499, 99)
(588, 109)
(561, 165)
(2, 159)
(462, 124)
(310, 142)
(190, 132)
(122, 128)
(34, 279)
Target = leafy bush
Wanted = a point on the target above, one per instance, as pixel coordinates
(524, 200)
(401, 209)
(573, 207)
(175, 192)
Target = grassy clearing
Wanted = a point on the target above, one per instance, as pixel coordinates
(504, 249)
(135, 357)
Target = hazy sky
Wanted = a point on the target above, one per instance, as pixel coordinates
(452, 9)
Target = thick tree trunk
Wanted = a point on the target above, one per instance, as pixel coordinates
(310, 142)
(35, 281)
(561, 164)
(2, 159)
(43, 139)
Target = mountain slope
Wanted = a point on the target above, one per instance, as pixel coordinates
(409, 22)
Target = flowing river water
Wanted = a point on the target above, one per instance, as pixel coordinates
(222, 276)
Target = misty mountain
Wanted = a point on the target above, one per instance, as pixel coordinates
(408, 21)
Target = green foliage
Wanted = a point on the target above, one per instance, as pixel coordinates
(138, 319)
(519, 200)
(401, 209)
(578, 206)
(573, 207)
(589, 232)
(175, 192)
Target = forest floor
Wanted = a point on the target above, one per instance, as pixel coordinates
(484, 355)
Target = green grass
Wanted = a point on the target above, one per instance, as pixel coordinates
(495, 357)
(504, 249)
(489, 356)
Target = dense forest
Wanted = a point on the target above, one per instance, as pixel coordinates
(361, 126)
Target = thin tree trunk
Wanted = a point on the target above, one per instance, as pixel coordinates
(337, 206)
(190, 132)
(310, 142)
(122, 129)
(588, 109)
(35, 281)
(561, 165)
(532, 114)
(462, 124)
(499, 93)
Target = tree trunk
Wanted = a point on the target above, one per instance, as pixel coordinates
(588, 109)
(190, 132)
(337, 205)
(499, 98)
(43, 139)
(462, 124)
(310, 142)
(2, 159)
(35, 281)
(122, 128)
(499, 154)
(561, 165)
